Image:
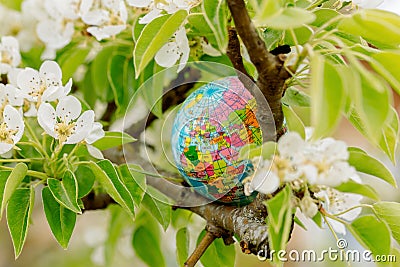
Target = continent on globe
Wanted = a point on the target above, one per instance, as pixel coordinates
(210, 128)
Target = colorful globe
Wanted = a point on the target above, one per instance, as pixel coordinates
(210, 128)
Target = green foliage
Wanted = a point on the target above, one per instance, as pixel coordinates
(279, 219)
(215, 14)
(368, 22)
(293, 121)
(153, 36)
(14, 179)
(217, 254)
(19, 210)
(147, 235)
(389, 212)
(61, 219)
(108, 177)
(274, 14)
(372, 233)
(113, 139)
(65, 191)
(328, 96)
(158, 205)
(369, 165)
(182, 245)
(357, 188)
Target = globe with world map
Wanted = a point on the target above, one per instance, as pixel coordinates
(210, 128)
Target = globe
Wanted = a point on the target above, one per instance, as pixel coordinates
(209, 129)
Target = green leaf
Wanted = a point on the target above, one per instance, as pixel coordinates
(154, 36)
(294, 97)
(368, 22)
(299, 223)
(217, 254)
(373, 105)
(85, 178)
(19, 211)
(389, 212)
(14, 179)
(152, 89)
(356, 188)
(372, 233)
(327, 94)
(216, 16)
(158, 205)
(108, 178)
(115, 75)
(386, 63)
(388, 141)
(286, 18)
(72, 59)
(182, 245)
(302, 34)
(66, 191)
(318, 219)
(134, 181)
(369, 165)
(113, 139)
(61, 220)
(293, 121)
(3, 180)
(324, 15)
(14, 4)
(279, 219)
(99, 74)
(117, 225)
(147, 247)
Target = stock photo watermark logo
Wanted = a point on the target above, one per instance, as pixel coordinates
(340, 253)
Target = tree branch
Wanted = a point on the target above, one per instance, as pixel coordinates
(200, 249)
(271, 73)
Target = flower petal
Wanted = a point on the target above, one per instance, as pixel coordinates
(265, 181)
(13, 95)
(52, 93)
(68, 108)
(14, 121)
(28, 81)
(290, 144)
(4, 147)
(154, 13)
(139, 3)
(96, 133)
(47, 119)
(83, 126)
(51, 70)
(168, 55)
(94, 152)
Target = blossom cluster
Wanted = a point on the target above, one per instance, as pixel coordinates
(314, 168)
(34, 93)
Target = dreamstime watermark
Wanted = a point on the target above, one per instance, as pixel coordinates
(340, 253)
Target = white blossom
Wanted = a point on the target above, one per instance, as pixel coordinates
(158, 8)
(65, 123)
(335, 202)
(106, 17)
(177, 48)
(10, 56)
(11, 129)
(95, 134)
(308, 206)
(264, 180)
(43, 85)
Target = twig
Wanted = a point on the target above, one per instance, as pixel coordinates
(271, 73)
(200, 249)
(233, 52)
